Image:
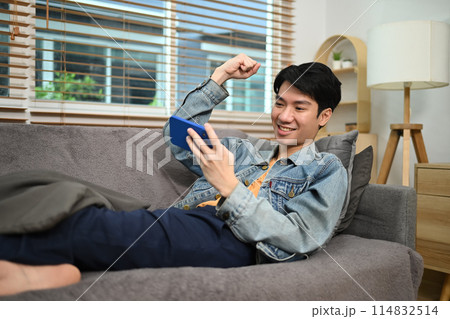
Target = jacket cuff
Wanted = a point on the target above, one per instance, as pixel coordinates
(230, 209)
(217, 93)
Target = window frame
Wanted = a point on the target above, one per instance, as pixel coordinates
(25, 108)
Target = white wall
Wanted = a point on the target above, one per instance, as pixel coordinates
(318, 20)
(309, 28)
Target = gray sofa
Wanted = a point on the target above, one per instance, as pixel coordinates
(372, 259)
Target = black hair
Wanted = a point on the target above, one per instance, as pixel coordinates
(313, 79)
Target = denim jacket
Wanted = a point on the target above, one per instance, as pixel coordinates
(299, 202)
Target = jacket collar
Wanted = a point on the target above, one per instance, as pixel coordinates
(304, 156)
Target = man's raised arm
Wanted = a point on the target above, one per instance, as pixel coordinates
(239, 67)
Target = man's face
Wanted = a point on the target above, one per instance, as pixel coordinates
(294, 118)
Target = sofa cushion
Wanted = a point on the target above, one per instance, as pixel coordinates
(344, 147)
(374, 270)
(362, 168)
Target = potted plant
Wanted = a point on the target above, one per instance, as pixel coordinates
(347, 63)
(337, 63)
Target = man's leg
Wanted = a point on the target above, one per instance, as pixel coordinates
(162, 238)
(96, 238)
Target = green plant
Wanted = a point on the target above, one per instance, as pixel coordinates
(155, 103)
(157, 100)
(337, 55)
(66, 87)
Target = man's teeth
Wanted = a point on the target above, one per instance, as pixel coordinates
(286, 129)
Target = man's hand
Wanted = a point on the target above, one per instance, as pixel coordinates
(217, 163)
(239, 67)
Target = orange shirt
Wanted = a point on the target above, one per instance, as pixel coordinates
(253, 187)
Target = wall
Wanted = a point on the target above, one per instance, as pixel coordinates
(309, 28)
(318, 20)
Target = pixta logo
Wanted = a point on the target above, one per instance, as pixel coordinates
(144, 146)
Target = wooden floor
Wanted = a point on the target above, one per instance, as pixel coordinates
(430, 288)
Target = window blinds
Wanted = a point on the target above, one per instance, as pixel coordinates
(120, 61)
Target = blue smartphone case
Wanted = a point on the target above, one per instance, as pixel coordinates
(178, 131)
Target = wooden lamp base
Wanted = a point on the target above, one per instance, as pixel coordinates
(406, 130)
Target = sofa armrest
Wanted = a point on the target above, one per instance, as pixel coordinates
(386, 212)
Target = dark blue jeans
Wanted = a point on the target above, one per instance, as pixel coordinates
(96, 238)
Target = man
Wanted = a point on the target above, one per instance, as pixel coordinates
(247, 205)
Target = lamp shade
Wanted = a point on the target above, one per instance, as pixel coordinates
(413, 52)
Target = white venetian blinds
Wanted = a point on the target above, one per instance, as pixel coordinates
(132, 62)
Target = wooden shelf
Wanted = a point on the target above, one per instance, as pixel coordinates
(345, 70)
(359, 71)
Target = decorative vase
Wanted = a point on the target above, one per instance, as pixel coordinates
(347, 64)
(337, 64)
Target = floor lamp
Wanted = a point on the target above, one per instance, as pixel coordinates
(407, 55)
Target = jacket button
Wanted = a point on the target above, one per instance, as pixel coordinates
(186, 207)
(264, 167)
(218, 196)
(246, 183)
(226, 215)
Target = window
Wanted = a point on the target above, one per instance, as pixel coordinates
(4, 50)
(110, 59)
(97, 53)
(4, 61)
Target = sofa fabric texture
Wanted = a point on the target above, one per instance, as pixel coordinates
(344, 147)
(376, 249)
(362, 168)
(373, 277)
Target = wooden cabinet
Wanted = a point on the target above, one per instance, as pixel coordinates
(432, 183)
(355, 103)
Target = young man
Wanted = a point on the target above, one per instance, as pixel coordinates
(248, 206)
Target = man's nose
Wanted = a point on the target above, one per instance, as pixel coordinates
(286, 115)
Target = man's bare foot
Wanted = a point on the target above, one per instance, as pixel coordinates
(16, 278)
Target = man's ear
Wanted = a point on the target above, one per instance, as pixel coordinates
(325, 116)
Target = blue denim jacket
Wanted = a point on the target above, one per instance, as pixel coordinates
(300, 200)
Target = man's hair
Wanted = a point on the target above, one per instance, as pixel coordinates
(313, 79)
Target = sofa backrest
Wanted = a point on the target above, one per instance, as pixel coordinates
(127, 160)
(137, 162)
(133, 161)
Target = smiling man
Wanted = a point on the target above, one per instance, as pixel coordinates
(287, 201)
(247, 206)
(304, 103)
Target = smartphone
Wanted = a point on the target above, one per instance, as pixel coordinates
(178, 131)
